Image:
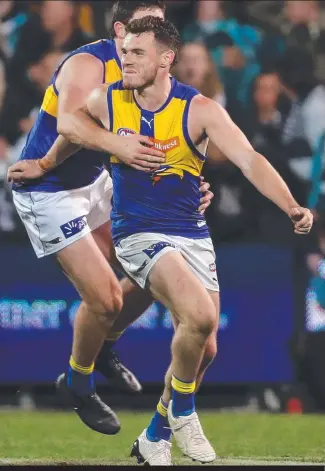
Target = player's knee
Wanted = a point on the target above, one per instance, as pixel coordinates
(108, 305)
(115, 300)
(203, 322)
(210, 351)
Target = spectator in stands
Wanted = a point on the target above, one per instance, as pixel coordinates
(61, 20)
(305, 31)
(40, 73)
(195, 68)
(13, 15)
(55, 28)
(86, 19)
(267, 15)
(265, 127)
(3, 84)
(233, 46)
(306, 116)
(307, 94)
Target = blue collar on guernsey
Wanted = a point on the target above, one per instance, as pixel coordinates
(170, 96)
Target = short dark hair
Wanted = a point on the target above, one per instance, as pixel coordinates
(164, 31)
(123, 10)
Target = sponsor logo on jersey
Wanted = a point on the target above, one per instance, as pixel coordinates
(166, 145)
(74, 226)
(212, 267)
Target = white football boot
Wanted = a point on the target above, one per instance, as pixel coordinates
(152, 453)
(190, 438)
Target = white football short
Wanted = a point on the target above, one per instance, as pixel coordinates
(138, 253)
(55, 220)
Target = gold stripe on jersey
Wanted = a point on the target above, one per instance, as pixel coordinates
(50, 102)
(168, 132)
(125, 114)
(112, 72)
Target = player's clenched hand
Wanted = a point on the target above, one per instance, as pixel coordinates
(139, 152)
(205, 201)
(302, 220)
(24, 170)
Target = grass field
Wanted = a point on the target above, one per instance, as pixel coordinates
(55, 437)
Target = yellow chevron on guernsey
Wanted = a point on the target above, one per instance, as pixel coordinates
(169, 130)
(112, 71)
(50, 102)
(86, 165)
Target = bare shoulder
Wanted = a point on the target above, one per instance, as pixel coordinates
(205, 107)
(209, 111)
(81, 68)
(204, 104)
(81, 62)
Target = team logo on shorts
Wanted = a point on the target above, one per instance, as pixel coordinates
(125, 132)
(212, 267)
(74, 226)
(156, 248)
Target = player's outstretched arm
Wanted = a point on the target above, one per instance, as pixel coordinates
(223, 133)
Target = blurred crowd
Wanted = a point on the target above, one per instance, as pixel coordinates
(263, 61)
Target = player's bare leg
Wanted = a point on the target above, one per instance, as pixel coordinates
(101, 294)
(159, 424)
(135, 303)
(196, 314)
(155, 440)
(209, 355)
(173, 283)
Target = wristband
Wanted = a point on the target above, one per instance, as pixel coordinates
(44, 164)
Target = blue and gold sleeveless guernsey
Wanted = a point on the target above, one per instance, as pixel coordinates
(86, 165)
(167, 200)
